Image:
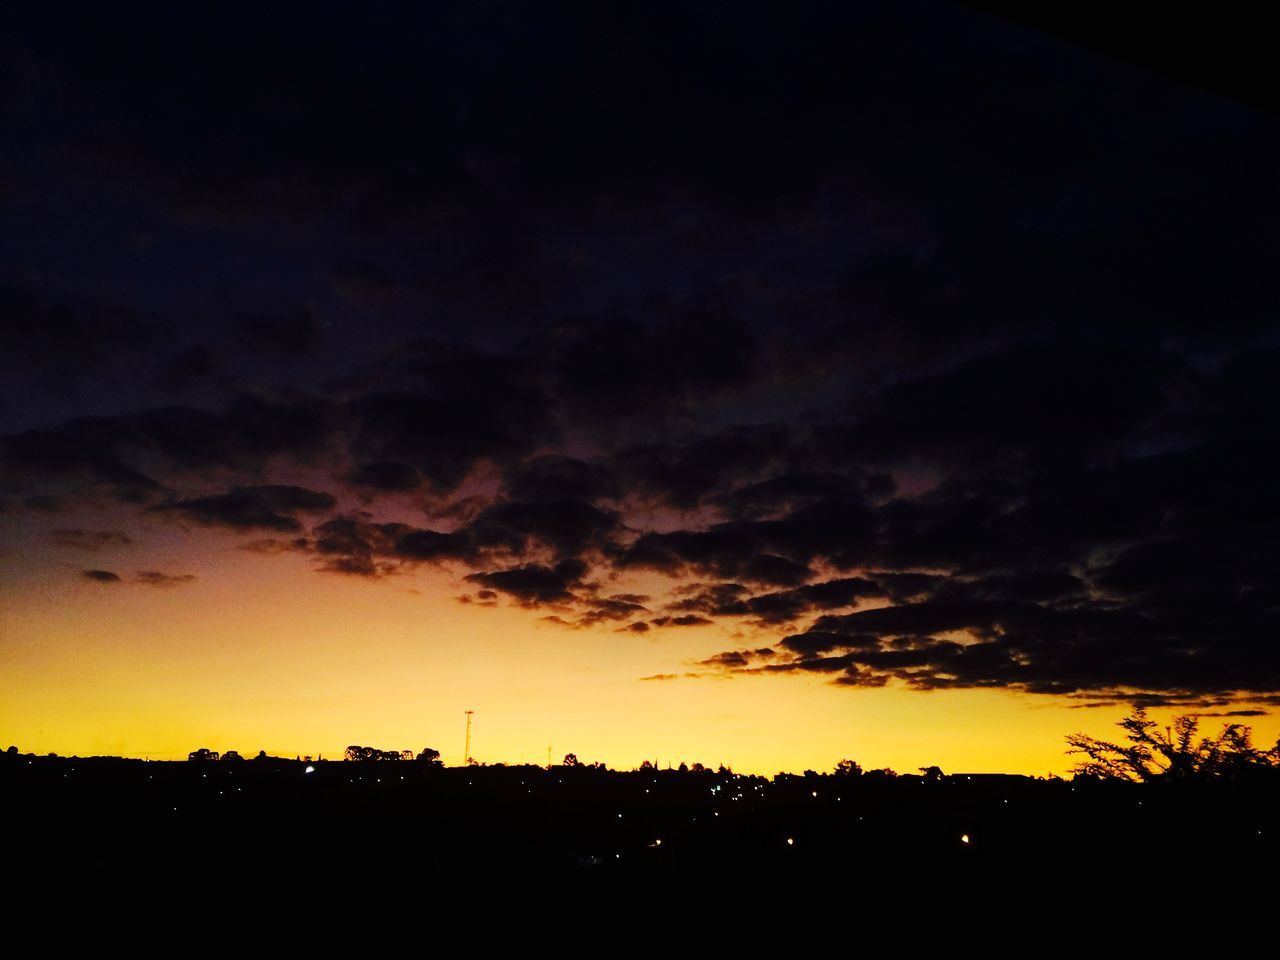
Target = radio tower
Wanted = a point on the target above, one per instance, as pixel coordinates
(466, 750)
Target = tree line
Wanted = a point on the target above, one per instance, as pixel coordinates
(1147, 753)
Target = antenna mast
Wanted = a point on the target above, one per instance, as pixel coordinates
(466, 750)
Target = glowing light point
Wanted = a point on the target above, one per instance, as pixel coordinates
(964, 838)
(309, 769)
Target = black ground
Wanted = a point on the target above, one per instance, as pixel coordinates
(129, 821)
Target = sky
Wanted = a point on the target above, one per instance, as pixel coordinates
(758, 384)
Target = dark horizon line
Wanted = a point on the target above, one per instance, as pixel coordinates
(925, 772)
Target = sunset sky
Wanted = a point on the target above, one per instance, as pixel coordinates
(758, 384)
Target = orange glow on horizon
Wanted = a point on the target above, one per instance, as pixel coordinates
(264, 653)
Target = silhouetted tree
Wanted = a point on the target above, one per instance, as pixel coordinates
(430, 756)
(570, 759)
(884, 773)
(359, 753)
(698, 768)
(931, 773)
(1176, 753)
(848, 768)
(683, 768)
(646, 765)
(204, 753)
(232, 756)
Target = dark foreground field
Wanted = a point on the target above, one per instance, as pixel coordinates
(104, 822)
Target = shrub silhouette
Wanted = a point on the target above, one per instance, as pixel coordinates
(358, 753)
(1176, 753)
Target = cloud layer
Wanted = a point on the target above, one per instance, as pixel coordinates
(898, 370)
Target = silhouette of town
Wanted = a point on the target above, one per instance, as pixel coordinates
(1161, 795)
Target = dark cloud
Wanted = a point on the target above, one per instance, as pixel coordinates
(736, 659)
(386, 477)
(971, 386)
(79, 453)
(444, 435)
(179, 372)
(684, 620)
(357, 545)
(1038, 402)
(785, 606)
(590, 610)
(784, 493)
(292, 335)
(556, 531)
(816, 641)
(433, 545)
(611, 608)
(549, 477)
(269, 507)
(777, 552)
(717, 599)
(1068, 647)
(364, 285)
(120, 456)
(622, 369)
(148, 578)
(60, 341)
(532, 585)
(154, 578)
(250, 432)
(271, 546)
(566, 528)
(42, 503)
(685, 476)
(90, 539)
